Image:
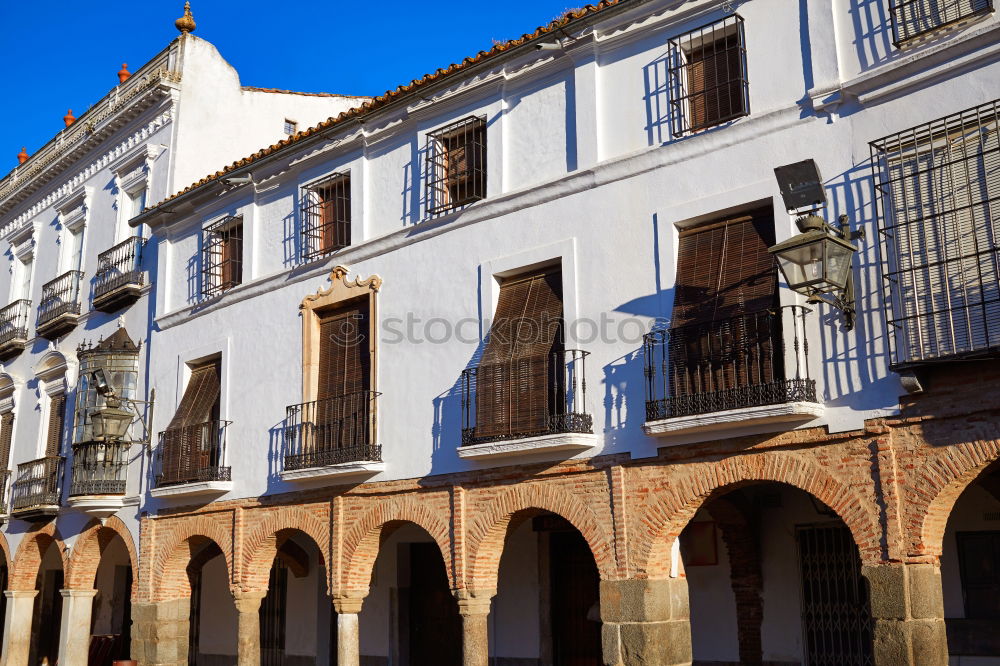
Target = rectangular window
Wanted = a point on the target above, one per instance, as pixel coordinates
(22, 286)
(54, 431)
(456, 165)
(979, 564)
(326, 216)
(6, 438)
(291, 127)
(937, 191)
(708, 76)
(191, 446)
(222, 267)
(73, 250)
(912, 18)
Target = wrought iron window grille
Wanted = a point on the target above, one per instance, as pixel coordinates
(326, 216)
(119, 266)
(192, 454)
(915, 18)
(707, 76)
(456, 165)
(332, 431)
(937, 199)
(222, 257)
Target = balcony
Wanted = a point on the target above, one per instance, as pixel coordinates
(915, 18)
(534, 404)
(119, 277)
(732, 374)
(37, 488)
(98, 478)
(14, 328)
(190, 461)
(59, 310)
(333, 438)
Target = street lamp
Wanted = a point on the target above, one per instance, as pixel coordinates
(817, 262)
(111, 421)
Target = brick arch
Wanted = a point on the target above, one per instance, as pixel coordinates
(89, 548)
(362, 543)
(942, 480)
(29, 556)
(489, 531)
(261, 546)
(5, 552)
(670, 512)
(169, 569)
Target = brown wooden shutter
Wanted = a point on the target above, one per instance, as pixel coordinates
(514, 381)
(232, 256)
(335, 214)
(6, 437)
(186, 450)
(343, 400)
(715, 73)
(57, 417)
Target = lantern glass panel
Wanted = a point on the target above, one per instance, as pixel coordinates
(802, 265)
(838, 264)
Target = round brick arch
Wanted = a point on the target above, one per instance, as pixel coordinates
(489, 531)
(169, 568)
(362, 543)
(5, 551)
(261, 545)
(28, 559)
(667, 517)
(89, 548)
(941, 481)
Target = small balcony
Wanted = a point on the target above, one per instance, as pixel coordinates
(744, 373)
(333, 438)
(59, 310)
(190, 461)
(534, 404)
(14, 328)
(36, 490)
(98, 478)
(119, 278)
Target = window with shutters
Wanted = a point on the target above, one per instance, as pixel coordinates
(222, 260)
(708, 76)
(192, 448)
(724, 348)
(526, 383)
(914, 18)
(456, 165)
(937, 190)
(6, 439)
(326, 216)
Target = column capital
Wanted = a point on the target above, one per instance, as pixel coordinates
(248, 601)
(20, 594)
(348, 605)
(78, 593)
(474, 602)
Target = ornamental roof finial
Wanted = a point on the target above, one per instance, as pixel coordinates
(22, 156)
(186, 23)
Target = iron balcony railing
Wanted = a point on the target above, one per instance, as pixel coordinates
(913, 18)
(332, 431)
(14, 321)
(119, 266)
(38, 483)
(99, 468)
(4, 479)
(526, 397)
(192, 454)
(751, 360)
(60, 296)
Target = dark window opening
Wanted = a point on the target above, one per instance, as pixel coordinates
(223, 258)
(456, 165)
(326, 217)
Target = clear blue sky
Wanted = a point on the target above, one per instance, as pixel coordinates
(62, 54)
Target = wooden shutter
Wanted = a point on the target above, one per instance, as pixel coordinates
(6, 437)
(186, 449)
(57, 417)
(343, 402)
(231, 272)
(715, 81)
(335, 214)
(514, 381)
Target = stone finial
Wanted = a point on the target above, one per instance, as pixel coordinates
(22, 156)
(186, 23)
(69, 118)
(123, 73)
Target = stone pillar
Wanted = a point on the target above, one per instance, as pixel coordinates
(474, 608)
(74, 634)
(248, 633)
(160, 632)
(645, 622)
(17, 627)
(908, 613)
(348, 639)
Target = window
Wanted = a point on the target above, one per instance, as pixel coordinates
(136, 202)
(456, 165)
(936, 190)
(73, 249)
(291, 127)
(6, 439)
(912, 18)
(979, 564)
(222, 267)
(192, 446)
(22, 284)
(326, 216)
(708, 79)
(54, 431)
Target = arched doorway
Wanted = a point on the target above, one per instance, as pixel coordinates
(774, 576)
(213, 619)
(46, 616)
(111, 617)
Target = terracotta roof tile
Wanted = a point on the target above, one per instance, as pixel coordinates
(298, 92)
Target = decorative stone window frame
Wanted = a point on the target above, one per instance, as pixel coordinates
(130, 172)
(56, 375)
(340, 291)
(22, 249)
(73, 214)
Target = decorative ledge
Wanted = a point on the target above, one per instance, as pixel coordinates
(736, 419)
(570, 441)
(99, 506)
(346, 469)
(193, 489)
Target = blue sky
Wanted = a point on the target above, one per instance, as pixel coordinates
(62, 54)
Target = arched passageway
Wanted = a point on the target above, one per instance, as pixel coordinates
(46, 617)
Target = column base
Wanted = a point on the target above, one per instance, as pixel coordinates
(908, 614)
(160, 632)
(645, 622)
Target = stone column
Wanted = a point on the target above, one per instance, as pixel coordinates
(908, 613)
(17, 627)
(474, 608)
(348, 639)
(160, 632)
(645, 622)
(248, 633)
(74, 634)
